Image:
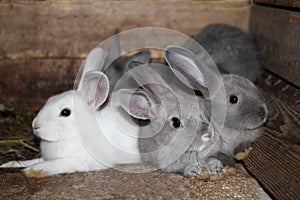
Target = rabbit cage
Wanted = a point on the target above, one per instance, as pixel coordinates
(44, 42)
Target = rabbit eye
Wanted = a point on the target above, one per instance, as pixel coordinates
(176, 122)
(66, 112)
(233, 99)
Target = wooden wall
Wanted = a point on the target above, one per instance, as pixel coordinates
(43, 42)
(275, 25)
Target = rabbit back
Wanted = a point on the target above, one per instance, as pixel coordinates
(232, 49)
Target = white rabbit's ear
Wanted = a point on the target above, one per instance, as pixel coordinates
(94, 61)
(136, 103)
(183, 64)
(95, 88)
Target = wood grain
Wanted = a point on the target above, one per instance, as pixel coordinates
(278, 38)
(287, 3)
(27, 84)
(63, 29)
(275, 158)
(41, 42)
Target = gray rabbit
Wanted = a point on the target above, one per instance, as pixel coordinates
(246, 111)
(182, 139)
(232, 49)
(177, 137)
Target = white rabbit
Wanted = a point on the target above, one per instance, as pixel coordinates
(77, 137)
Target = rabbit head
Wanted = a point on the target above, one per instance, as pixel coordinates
(175, 123)
(245, 107)
(56, 120)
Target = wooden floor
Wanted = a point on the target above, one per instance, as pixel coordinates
(275, 159)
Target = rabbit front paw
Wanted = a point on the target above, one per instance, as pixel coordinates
(48, 168)
(31, 173)
(195, 169)
(214, 166)
(217, 171)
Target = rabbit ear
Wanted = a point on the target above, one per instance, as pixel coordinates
(95, 88)
(151, 80)
(94, 61)
(114, 50)
(184, 65)
(138, 59)
(136, 103)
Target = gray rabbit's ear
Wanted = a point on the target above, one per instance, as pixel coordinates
(94, 61)
(137, 59)
(114, 50)
(95, 88)
(185, 66)
(147, 77)
(136, 103)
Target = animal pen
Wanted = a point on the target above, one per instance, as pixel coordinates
(43, 43)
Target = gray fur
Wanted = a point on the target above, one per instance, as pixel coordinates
(116, 65)
(244, 120)
(232, 49)
(180, 150)
(120, 66)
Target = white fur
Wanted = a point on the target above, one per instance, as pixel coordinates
(87, 139)
(62, 147)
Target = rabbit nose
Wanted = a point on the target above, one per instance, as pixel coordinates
(34, 124)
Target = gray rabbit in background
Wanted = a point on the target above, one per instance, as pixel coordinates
(178, 137)
(116, 66)
(232, 49)
(246, 111)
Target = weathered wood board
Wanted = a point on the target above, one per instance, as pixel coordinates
(58, 29)
(284, 3)
(41, 42)
(113, 184)
(277, 34)
(27, 84)
(275, 159)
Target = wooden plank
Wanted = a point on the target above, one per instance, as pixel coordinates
(105, 184)
(275, 158)
(60, 29)
(278, 38)
(27, 84)
(287, 3)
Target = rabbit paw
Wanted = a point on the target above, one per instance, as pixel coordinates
(227, 171)
(194, 170)
(48, 168)
(214, 166)
(217, 171)
(31, 173)
(243, 155)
